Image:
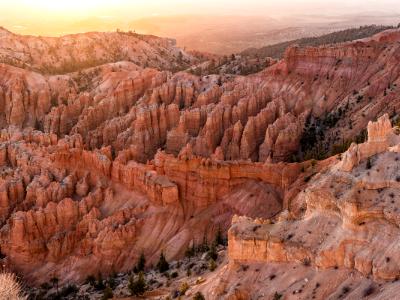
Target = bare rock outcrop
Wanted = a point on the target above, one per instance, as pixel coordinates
(349, 219)
(118, 158)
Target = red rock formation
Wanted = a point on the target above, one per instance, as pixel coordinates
(72, 52)
(99, 165)
(349, 219)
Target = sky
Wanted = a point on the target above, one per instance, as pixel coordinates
(42, 15)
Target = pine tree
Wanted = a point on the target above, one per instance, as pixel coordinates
(190, 251)
(54, 282)
(180, 56)
(140, 264)
(162, 264)
(212, 265)
(107, 294)
(100, 283)
(219, 240)
(212, 253)
(137, 287)
(369, 164)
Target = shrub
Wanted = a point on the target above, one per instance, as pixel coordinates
(212, 253)
(45, 286)
(183, 289)
(68, 290)
(107, 294)
(190, 251)
(277, 296)
(162, 264)
(307, 262)
(91, 280)
(199, 296)
(212, 265)
(10, 288)
(308, 178)
(369, 164)
(111, 282)
(203, 247)
(369, 291)
(54, 282)
(137, 287)
(345, 289)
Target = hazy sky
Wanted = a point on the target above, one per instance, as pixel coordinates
(137, 8)
(27, 13)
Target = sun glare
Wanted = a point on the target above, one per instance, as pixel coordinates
(66, 5)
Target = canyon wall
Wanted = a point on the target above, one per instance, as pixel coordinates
(350, 217)
(102, 164)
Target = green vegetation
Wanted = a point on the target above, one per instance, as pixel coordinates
(369, 291)
(277, 296)
(212, 253)
(277, 51)
(91, 280)
(219, 238)
(99, 285)
(212, 265)
(74, 66)
(70, 289)
(313, 143)
(162, 265)
(199, 296)
(107, 294)
(54, 281)
(140, 264)
(137, 287)
(183, 289)
(369, 164)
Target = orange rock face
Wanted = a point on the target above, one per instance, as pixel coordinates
(349, 219)
(102, 164)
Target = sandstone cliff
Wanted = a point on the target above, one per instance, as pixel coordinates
(348, 219)
(100, 165)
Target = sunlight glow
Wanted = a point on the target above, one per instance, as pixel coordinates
(57, 17)
(68, 6)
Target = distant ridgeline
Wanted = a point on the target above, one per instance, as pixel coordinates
(277, 50)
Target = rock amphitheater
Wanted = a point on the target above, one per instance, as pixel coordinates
(131, 156)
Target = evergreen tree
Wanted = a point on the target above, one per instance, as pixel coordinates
(369, 164)
(212, 253)
(190, 251)
(140, 264)
(212, 265)
(54, 282)
(219, 239)
(137, 287)
(107, 294)
(162, 264)
(100, 283)
(91, 280)
(180, 56)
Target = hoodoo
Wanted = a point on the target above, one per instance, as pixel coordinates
(116, 158)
